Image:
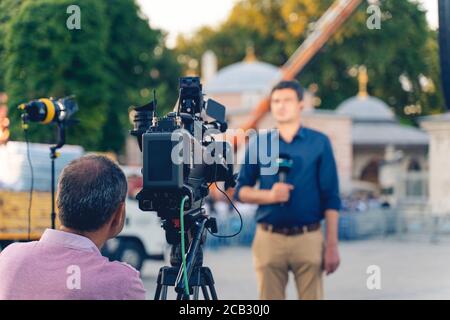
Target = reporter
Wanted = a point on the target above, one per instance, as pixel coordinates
(67, 263)
(288, 236)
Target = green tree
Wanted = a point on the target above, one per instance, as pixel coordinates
(110, 65)
(44, 58)
(137, 61)
(403, 46)
(8, 9)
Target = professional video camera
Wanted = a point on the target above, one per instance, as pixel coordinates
(180, 157)
(180, 160)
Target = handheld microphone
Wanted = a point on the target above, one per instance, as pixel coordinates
(285, 164)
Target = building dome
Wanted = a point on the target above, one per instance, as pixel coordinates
(374, 123)
(366, 108)
(246, 76)
(363, 107)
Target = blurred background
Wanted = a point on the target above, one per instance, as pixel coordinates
(375, 84)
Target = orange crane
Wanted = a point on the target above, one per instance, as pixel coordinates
(323, 30)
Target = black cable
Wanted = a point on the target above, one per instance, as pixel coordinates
(231, 202)
(239, 214)
(203, 198)
(30, 201)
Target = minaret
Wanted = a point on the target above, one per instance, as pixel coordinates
(363, 79)
(250, 54)
(209, 65)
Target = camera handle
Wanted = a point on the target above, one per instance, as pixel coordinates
(54, 155)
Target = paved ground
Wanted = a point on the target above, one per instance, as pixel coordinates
(414, 269)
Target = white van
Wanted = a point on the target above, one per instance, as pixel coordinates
(142, 237)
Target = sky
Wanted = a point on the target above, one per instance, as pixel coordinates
(184, 17)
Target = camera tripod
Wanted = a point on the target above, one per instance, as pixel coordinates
(199, 277)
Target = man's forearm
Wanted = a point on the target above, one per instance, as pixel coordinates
(331, 219)
(255, 196)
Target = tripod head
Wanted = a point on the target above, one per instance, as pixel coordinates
(196, 226)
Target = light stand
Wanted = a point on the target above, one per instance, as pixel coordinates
(53, 155)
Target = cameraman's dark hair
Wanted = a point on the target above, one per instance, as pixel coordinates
(292, 84)
(90, 190)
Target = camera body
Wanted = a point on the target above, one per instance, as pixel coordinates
(180, 156)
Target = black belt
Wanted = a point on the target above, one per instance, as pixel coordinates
(291, 231)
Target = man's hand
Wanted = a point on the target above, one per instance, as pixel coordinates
(331, 258)
(280, 192)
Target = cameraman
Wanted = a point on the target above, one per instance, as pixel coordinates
(67, 263)
(288, 235)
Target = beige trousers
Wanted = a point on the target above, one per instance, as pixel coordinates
(274, 255)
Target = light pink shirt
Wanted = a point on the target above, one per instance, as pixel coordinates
(64, 265)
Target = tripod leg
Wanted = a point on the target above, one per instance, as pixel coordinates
(209, 282)
(195, 293)
(158, 291)
(164, 293)
(183, 296)
(158, 285)
(205, 293)
(213, 291)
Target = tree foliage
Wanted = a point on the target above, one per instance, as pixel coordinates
(404, 46)
(111, 63)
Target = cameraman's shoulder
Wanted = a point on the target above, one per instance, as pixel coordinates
(11, 246)
(17, 247)
(125, 269)
(127, 279)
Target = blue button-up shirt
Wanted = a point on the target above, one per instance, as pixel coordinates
(313, 175)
